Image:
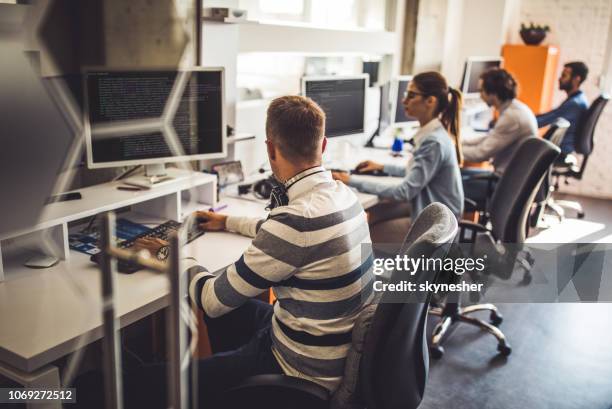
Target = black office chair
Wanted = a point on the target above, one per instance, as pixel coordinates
(388, 362)
(507, 213)
(543, 199)
(583, 144)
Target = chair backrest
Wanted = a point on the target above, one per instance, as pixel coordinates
(585, 130)
(395, 361)
(509, 207)
(555, 134)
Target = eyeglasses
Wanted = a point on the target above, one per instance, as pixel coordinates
(412, 94)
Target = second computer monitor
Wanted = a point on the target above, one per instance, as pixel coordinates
(342, 99)
(398, 88)
(474, 68)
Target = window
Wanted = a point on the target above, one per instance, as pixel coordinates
(339, 14)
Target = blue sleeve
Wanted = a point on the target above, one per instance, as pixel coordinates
(425, 164)
(560, 112)
(395, 170)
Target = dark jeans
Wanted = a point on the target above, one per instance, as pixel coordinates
(476, 189)
(241, 344)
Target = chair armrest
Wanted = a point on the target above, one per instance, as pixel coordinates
(468, 226)
(470, 205)
(493, 177)
(275, 390)
(491, 180)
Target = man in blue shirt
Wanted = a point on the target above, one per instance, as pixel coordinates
(572, 109)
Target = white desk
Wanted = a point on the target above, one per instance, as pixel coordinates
(47, 314)
(350, 157)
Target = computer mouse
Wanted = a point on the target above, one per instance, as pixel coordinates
(197, 221)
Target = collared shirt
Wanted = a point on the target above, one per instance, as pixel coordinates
(311, 253)
(515, 123)
(293, 185)
(425, 131)
(572, 109)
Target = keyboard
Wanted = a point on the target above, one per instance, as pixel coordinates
(163, 231)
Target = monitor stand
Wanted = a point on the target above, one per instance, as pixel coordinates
(156, 175)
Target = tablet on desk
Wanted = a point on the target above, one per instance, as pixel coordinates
(228, 172)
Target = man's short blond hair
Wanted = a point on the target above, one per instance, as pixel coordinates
(296, 125)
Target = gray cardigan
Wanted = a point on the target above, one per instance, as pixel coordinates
(433, 176)
(515, 123)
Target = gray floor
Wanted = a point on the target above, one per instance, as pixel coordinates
(562, 353)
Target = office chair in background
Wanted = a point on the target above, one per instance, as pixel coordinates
(388, 362)
(583, 145)
(507, 213)
(543, 199)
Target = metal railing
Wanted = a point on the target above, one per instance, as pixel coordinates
(176, 330)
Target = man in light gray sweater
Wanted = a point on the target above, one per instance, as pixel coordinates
(515, 123)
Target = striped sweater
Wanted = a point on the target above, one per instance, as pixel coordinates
(315, 254)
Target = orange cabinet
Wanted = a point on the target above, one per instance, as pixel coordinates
(535, 69)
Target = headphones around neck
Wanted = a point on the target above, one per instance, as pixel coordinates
(276, 191)
(271, 189)
(278, 196)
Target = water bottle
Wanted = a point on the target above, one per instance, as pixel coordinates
(398, 146)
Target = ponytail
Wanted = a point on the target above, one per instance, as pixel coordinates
(451, 120)
(449, 104)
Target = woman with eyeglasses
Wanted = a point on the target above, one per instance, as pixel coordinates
(432, 174)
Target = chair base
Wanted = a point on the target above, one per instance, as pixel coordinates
(452, 313)
(571, 205)
(554, 206)
(558, 208)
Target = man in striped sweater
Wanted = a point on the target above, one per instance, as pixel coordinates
(310, 251)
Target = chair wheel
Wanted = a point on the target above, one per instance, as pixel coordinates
(496, 318)
(504, 349)
(581, 215)
(436, 351)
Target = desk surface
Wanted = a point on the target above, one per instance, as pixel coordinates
(47, 314)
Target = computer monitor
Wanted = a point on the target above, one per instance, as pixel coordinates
(398, 115)
(342, 99)
(130, 119)
(474, 68)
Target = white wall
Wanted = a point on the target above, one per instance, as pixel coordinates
(582, 29)
(430, 36)
(452, 66)
(481, 33)
(449, 31)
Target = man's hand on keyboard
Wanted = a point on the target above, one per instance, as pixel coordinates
(150, 244)
(211, 221)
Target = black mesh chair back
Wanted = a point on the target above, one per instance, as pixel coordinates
(509, 207)
(395, 362)
(586, 127)
(554, 134)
